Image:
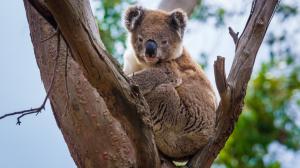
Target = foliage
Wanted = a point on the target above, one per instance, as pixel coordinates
(113, 35)
(204, 12)
(266, 117)
(271, 104)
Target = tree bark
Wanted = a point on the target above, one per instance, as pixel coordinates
(126, 104)
(103, 118)
(233, 89)
(101, 131)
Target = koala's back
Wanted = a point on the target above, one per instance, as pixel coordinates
(183, 116)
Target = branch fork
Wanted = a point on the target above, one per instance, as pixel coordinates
(104, 81)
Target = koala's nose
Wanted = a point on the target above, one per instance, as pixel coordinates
(151, 48)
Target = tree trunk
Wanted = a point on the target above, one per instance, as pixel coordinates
(94, 127)
(103, 118)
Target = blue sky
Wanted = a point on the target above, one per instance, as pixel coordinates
(38, 142)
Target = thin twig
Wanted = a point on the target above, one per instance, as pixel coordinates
(234, 35)
(38, 109)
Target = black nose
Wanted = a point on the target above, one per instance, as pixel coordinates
(151, 48)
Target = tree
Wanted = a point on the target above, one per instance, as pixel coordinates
(91, 97)
(270, 114)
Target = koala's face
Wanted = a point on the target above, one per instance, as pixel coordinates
(156, 35)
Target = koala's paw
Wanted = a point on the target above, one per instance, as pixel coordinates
(176, 82)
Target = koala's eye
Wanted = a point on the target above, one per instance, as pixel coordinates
(140, 39)
(164, 42)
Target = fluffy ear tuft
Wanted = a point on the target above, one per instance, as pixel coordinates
(133, 16)
(178, 19)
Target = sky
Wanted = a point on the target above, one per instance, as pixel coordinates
(38, 142)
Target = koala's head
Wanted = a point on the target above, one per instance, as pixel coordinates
(156, 35)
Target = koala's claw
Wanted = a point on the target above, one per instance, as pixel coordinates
(177, 82)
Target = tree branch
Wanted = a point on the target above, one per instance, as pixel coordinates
(42, 106)
(234, 35)
(127, 105)
(233, 89)
(88, 116)
(94, 137)
(219, 69)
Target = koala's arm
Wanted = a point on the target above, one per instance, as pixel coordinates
(149, 79)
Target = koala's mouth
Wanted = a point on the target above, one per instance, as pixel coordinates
(151, 58)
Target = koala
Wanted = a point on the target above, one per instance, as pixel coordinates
(181, 99)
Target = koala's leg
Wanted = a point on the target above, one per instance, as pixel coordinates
(179, 129)
(168, 116)
(164, 105)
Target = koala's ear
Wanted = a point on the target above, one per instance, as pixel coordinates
(178, 19)
(133, 17)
